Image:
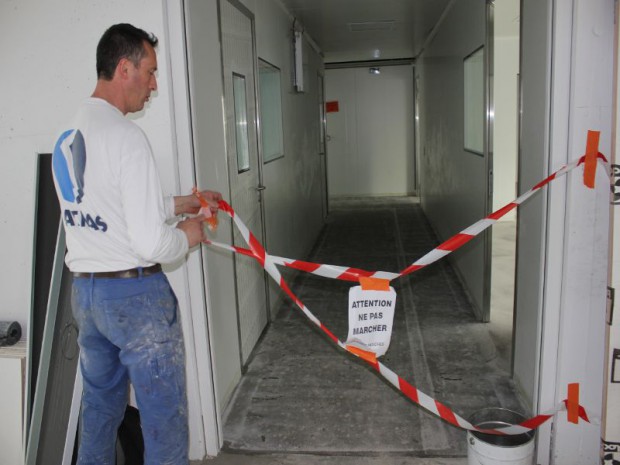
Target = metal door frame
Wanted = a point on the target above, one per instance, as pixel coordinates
(488, 157)
(323, 142)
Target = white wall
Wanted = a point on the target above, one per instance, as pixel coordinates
(506, 68)
(56, 63)
(293, 195)
(452, 181)
(12, 368)
(370, 143)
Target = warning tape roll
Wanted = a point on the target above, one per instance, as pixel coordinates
(270, 263)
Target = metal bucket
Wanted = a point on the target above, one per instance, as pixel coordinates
(491, 449)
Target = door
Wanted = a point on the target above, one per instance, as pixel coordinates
(370, 131)
(239, 68)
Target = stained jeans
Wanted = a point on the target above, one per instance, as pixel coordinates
(129, 331)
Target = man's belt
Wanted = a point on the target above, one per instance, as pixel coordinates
(132, 273)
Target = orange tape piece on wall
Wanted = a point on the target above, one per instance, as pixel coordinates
(374, 284)
(572, 404)
(589, 167)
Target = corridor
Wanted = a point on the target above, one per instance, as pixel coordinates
(303, 396)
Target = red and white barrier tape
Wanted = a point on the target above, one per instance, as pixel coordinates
(445, 248)
(269, 262)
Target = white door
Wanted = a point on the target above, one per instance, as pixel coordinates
(370, 131)
(239, 62)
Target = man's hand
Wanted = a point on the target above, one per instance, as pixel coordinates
(189, 204)
(192, 227)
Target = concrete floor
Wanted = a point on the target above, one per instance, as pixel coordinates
(304, 401)
(502, 288)
(227, 458)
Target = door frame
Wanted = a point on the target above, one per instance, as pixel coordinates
(488, 158)
(571, 291)
(205, 420)
(323, 143)
(572, 340)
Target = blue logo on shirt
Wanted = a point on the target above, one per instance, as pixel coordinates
(69, 165)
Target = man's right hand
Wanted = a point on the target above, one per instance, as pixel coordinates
(192, 227)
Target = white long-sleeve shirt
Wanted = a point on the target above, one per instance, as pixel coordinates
(110, 194)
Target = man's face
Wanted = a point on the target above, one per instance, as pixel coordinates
(142, 80)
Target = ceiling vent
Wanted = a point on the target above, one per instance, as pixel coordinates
(386, 25)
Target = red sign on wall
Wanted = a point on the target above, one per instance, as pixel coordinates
(331, 107)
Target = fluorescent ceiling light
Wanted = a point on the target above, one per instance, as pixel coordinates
(386, 25)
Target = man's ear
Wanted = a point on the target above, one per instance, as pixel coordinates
(122, 68)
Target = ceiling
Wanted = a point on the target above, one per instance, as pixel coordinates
(360, 30)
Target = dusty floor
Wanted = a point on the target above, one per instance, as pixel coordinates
(304, 459)
(305, 401)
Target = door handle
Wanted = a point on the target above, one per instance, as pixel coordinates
(260, 188)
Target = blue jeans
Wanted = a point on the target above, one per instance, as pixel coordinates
(129, 331)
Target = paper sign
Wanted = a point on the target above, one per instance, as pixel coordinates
(371, 314)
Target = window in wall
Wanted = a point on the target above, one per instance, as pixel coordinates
(473, 67)
(241, 123)
(272, 138)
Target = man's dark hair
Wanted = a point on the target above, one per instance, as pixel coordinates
(121, 41)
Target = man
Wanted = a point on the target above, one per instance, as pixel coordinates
(117, 236)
